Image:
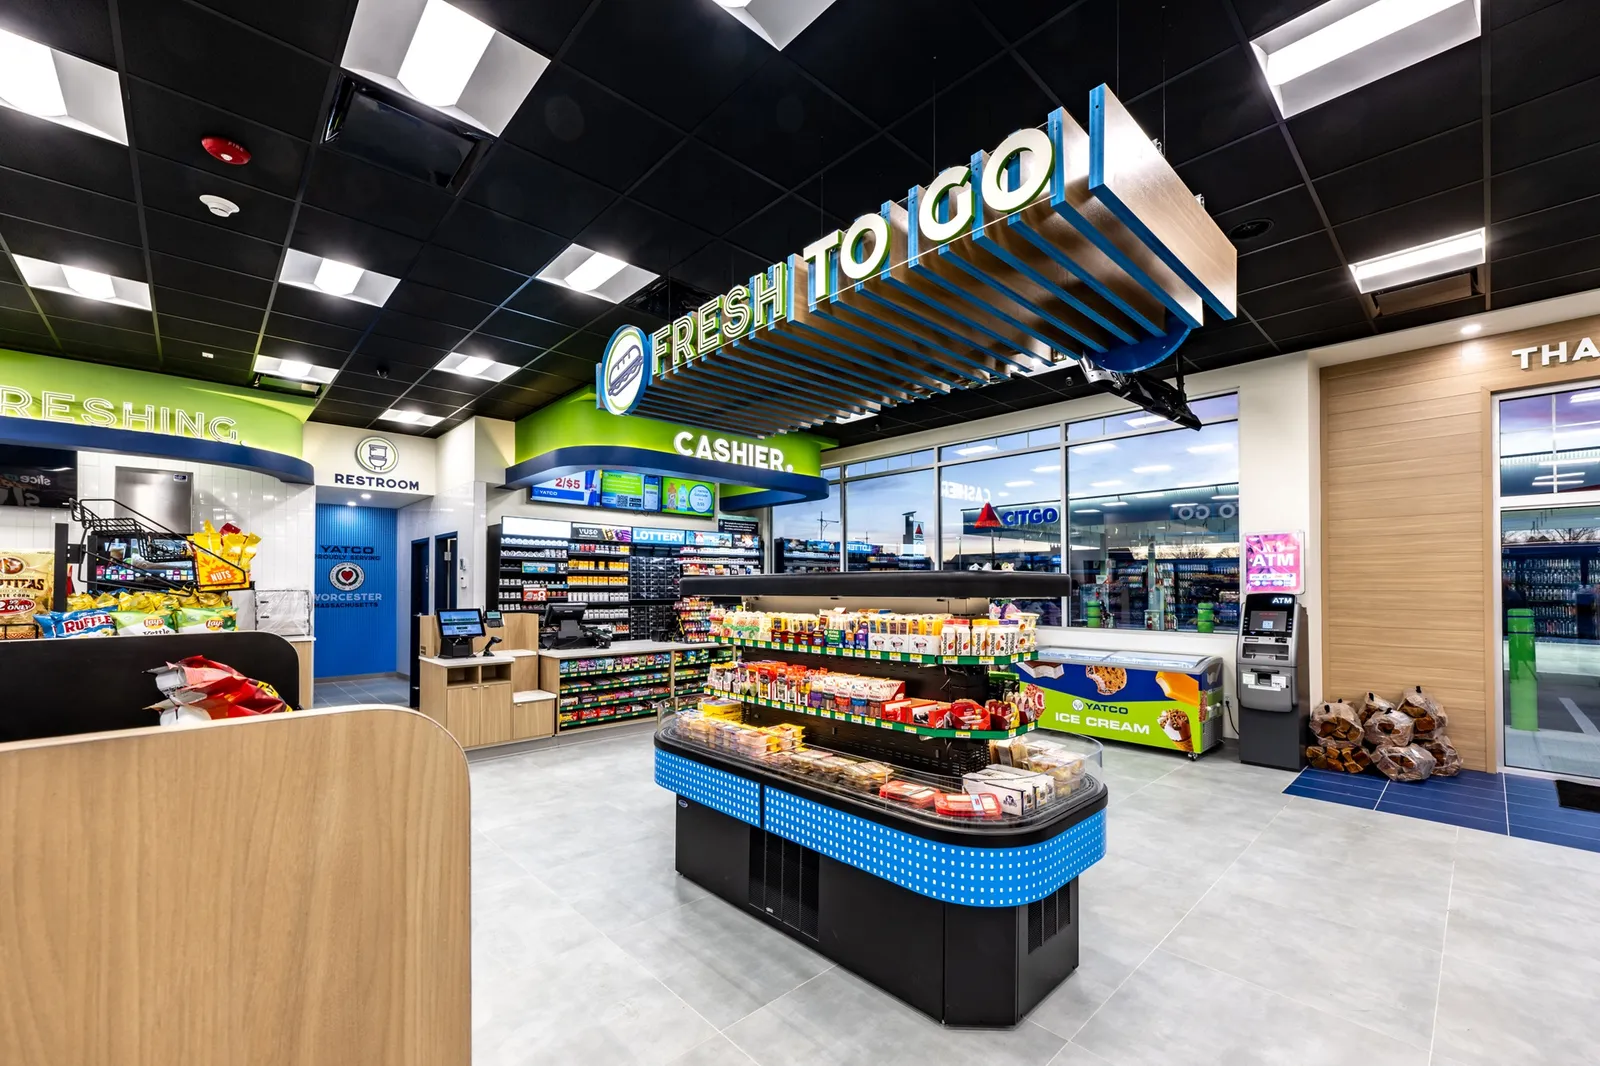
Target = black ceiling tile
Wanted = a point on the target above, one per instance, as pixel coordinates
(7, 274)
(318, 26)
(440, 306)
(1424, 316)
(526, 329)
(1207, 107)
(509, 410)
(202, 242)
(877, 171)
(205, 369)
(399, 352)
(1017, 18)
(715, 268)
(1291, 213)
(465, 275)
(1547, 50)
(563, 365)
(1249, 169)
(1410, 173)
(68, 207)
(347, 186)
(1547, 264)
(1222, 338)
(26, 341)
(15, 298)
(619, 315)
(81, 29)
(23, 319)
(205, 309)
(534, 190)
(227, 361)
(585, 345)
(926, 58)
(1528, 233)
(587, 129)
(279, 348)
(340, 415)
(1504, 11)
(1544, 127)
(1441, 215)
(643, 237)
(1159, 40)
(783, 229)
(369, 247)
(1547, 290)
(112, 355)
(171, 272)
(202, 55)
(1259, 16)
(352, 387)
(59, 305)
(305, 331)
(983, 110)
(499, 349)
(1324, 337)
(1409, 105)
(1326, 287)
(1546, 184)
(171, 125)
(705, 189)
(104, 336)
(641, 48)
(318, 306)
(1300, 258)
(1078, 51)
(49, 150)
(419, 330)
(543, 26)
(482, 234)
(444, 389)
(208, 334)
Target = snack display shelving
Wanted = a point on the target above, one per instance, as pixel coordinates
(631, 679)
(919, 658)
(878, 723)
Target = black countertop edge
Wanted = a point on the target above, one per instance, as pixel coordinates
(987, 584)
(980, 834)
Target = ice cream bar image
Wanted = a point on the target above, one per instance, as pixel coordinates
(1040, 668)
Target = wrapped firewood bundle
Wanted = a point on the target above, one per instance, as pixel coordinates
(1418, 702)
(1389, 729)
(1332, 755)
(1371, 704)
(1428, 726)
(1337, 720)
(1446, 760)
(1408, 762)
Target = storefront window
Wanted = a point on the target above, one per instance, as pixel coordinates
(1550, 443)
(889, 519)
(1211, 409)
(805, 536)
(1153, 525)
(955, 453)
(1022, 530)
(890, 463)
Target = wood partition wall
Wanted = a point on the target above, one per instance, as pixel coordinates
(291, 890)
(1408, 538)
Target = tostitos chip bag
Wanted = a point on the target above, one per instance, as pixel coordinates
(142, 623)
(26, 579)
(92, 622)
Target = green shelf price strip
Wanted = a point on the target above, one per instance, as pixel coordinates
(613, 670)
(658, 676)
(882, 656)
(898, 727)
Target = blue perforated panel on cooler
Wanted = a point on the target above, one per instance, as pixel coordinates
(972, 877)
(721, 791)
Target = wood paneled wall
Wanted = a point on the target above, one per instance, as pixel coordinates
(1408, 538)
(291, 890)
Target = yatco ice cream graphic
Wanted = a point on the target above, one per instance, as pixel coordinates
(1274, 562)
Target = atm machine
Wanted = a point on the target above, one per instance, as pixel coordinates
(1273, 670)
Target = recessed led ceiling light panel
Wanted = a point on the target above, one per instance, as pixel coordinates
(776, 21)
(410, 418)
(84, 283)
(294, 369)
(40, 81)
(1431, 260)
(1345, 44)
(336, 278)
(595, 274)
(475, 366)
(441, 56)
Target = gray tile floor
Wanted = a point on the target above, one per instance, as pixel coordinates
(393, 690)
(1229, 924)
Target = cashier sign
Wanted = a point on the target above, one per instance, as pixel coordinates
(1274, 562)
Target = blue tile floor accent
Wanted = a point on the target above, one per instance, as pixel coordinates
(1507, 804)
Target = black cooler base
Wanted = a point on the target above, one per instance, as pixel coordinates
(963, 966)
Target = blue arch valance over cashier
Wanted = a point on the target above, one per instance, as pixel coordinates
(772, 487)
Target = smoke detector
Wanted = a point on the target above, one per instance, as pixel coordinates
(218, 206)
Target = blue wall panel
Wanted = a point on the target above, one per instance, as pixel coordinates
(355, 620)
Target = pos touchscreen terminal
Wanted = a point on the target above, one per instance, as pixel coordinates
(457, 631)
(1273, 670)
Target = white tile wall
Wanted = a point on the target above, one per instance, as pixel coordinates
(284, 516)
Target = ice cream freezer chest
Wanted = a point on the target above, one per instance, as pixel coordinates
(1161, 701)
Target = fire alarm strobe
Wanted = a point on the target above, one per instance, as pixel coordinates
(228, 151)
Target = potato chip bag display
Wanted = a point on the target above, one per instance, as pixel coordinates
(83, 601)
(26, 581)
(222, 557)
(201, 685)
(142, 623)
(91, 622)
(205, 619)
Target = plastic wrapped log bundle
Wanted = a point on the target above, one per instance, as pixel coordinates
(1389, 729)
(1371, 704)
(1335, 720)
(1446, 760)
(1340, 758)
(1425, 711)
(1410, 762)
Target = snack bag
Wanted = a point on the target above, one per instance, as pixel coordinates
(26, 582)
(1403, 763)
(142, 623)
(201, 685)
(93, 622)
(222, 558)
(205, 619)
(1446, 760)
(1389, 729)
(1336, 720)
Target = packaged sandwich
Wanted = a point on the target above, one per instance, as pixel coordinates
(967, 805)
(909, 793)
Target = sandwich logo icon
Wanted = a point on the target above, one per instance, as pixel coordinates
(987, 519)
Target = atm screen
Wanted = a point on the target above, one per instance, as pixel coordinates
(1268, 622)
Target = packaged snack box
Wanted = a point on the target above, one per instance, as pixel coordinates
(1014, 797)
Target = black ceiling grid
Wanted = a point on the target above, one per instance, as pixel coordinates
(665, 132)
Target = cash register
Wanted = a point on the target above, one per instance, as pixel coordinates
(1273, 670)
(563, 628)
(457, 630)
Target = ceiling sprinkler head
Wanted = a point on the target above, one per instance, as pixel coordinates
(220, 207)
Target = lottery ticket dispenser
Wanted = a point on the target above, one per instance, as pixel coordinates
(1274, 681)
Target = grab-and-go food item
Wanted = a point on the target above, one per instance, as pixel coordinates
(1006, 631)
(26, 582)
